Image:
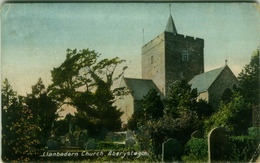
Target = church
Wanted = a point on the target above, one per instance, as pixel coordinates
(169, 57)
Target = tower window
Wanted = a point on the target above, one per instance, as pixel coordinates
(185, 55)
(152, 60)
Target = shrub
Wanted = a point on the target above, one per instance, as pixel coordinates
(254, 132)
(196, 149)
(242, 148)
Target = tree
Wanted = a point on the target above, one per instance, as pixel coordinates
(234, 116)
(85, 83)
(182, 115)
(249, 80)
(64, 126)
(20, 133)
(152, 105)
(151, 108)
(44, 109)
(180, 96)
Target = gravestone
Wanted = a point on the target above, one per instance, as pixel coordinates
(53, 145)
(130, 142)
(217, 145)
(62, 140)
(197, 134)
(129, 134)
(109, 136)
(171, 150)
(82, 137)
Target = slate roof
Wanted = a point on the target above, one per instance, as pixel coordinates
(170, 27)
(139, 87)
(203, 81)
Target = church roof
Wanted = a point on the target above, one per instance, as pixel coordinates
(139, 87)
(170, 27)
(203, 81)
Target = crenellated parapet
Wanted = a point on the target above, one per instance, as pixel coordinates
(183, 38)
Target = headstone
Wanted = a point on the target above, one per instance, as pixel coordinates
(197, 134)
(53, 145)
(62, 140)
(217, 145)
(129, 134)
(109, 136)
(171, 150)
(91, 144)
(72, 139)
(130, 142)
(82, 138)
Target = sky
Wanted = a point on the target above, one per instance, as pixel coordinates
(35, 36)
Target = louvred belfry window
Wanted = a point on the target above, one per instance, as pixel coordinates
(185, 56)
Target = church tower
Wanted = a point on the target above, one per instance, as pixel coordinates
(171, 56)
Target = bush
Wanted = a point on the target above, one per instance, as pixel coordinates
(254, 132)
(196, 149)
(242, 148)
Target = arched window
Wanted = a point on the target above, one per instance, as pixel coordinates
(226, 96)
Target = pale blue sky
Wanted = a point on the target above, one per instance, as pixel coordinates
(35, 37)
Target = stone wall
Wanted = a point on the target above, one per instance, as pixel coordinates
(176, 67)
(225, 80)
(163, 63)
(153, 62)
(125, 103)
(203, 96)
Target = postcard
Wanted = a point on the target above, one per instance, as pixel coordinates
(138, 82)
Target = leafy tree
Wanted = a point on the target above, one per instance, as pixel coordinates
(152, 105)
(249, 80)
(167, 127)
(85, 83)
(151, 108)
(182, 99)
(20, 133)
(44, 109)
(196, 150)
(62, 126)
(234, 116)
(182, 115)
(180, 96)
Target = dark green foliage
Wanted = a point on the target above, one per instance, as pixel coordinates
(44, 109)
(61, 127)
(20, 133)
(151, 108)
(203, 109)
(254, 132)
(152, 105)
(242, 148)
(136, 120)
(196, 149)
(168, 127)
(84, 82)
(249, 80)
(182, 116)
(235, 116)
(180, 96)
